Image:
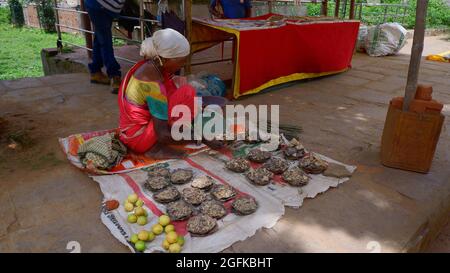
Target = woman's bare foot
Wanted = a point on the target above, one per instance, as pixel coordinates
(161, 151)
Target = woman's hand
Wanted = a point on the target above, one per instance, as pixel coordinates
(214, 144)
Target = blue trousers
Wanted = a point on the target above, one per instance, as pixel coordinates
(102, 51)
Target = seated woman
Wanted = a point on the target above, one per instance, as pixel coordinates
(148, 93)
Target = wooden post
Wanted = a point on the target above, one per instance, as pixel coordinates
(324, 7)
(58, 28)
(416, 53)
(188, 22)
(141, 23)
(351, 16)
(336, 8)
(86, 24)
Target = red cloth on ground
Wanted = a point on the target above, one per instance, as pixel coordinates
(136, 125)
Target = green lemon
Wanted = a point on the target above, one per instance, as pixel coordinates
(140, 246)
(164, 220)
(169, 228)
(139, 203)
(132, 198)
(132, 218)
(142, 220)
(134, 238)
(175, 248)
(180, 240)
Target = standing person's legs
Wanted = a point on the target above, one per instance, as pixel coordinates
(106, 43)
(103, 47)
(97, 60)
(103, 33)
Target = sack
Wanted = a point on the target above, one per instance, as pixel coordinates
(362, 36)
(385, 39)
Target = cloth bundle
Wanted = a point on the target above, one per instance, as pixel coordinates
(102, 152)
(385, 39)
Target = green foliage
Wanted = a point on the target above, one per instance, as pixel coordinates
(5, 15)
(438, 14)
(20, 50)
(313, 9)
(17, 18)
(46, 15)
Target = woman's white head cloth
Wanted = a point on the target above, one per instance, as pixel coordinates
(167, 43)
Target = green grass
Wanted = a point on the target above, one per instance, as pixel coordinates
(20, 53)
(20, 50)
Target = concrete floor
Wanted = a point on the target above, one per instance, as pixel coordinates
(45, 202)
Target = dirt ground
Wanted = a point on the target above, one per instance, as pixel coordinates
(45, 202)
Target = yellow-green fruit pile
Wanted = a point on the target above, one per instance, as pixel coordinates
(139, 214)
(173, 242)
(141, 238)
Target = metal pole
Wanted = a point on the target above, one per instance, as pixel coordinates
(385, 14)
(396, 14)
(188, 22)
(404, 13)
(416, 53)
(344, 9)
(58, 29)
(86, 24)
(360, 10)
(141, 16)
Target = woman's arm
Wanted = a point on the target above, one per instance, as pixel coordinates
(163, 132)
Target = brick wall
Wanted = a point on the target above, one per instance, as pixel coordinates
(70, 19)
(67, 18)
(31, 17)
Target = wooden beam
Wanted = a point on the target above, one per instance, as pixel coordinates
(188, 22)
(351, 15)
(324, 7)
(416, 53)
(336, 8)
(86, 24)
(141, 23)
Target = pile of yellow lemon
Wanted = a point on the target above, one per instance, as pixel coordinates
(173, 242)
(139, 214)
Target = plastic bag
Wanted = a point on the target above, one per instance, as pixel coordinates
(385, 39)
(200, 86)
(207, 84)
(163, 6)
(215, 85)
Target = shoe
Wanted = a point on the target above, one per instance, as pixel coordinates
(115, 84)
(100, 78)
